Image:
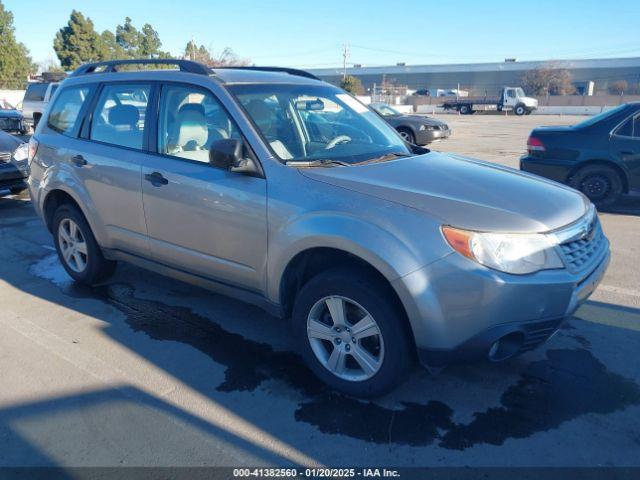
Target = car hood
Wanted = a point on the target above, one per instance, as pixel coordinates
(463, 192)
(10, 114)
(419, 119)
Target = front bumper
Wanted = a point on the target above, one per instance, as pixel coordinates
(458, 309)
(11, 177)
(427, 136)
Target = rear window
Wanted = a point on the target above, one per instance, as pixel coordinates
(35, 92)
(64, 114)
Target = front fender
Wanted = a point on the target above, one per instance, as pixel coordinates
(389, 254)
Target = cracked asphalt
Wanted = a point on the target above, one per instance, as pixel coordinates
(145, 370)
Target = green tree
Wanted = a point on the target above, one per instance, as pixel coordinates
(150, 42)
(110, 49)
(352, 85)
(77, 42)
(128, 37)
(15, 62)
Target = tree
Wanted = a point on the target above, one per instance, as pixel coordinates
(226, 58)
(149, 42)
(110, 49)
(15, 62)
(547, 79)
(128, 38)
(619, 87)
(352, 85)
(77, 42)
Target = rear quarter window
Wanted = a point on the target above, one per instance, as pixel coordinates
(65, 112)
(36, 92)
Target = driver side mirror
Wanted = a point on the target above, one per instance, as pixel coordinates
(228, 155)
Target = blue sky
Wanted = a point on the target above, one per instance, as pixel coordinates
(311, 33)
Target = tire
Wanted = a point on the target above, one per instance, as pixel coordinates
(96, 267)
(17, 190)
(407, 135)
(389, 347)
(520, 110)
(465, 110)
(602, 184)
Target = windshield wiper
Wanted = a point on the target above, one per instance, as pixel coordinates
(320, 162)
(385, 157)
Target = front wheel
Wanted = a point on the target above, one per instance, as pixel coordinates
(77, 248)
(350, 333)
(520, 110)
(602, 184)
(465, 110)
(407, 135)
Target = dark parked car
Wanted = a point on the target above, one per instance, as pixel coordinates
(11, 119)
(13, 164)
(600, 156)
(416, 129)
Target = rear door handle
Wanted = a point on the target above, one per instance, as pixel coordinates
(78, 161)
(156, 179)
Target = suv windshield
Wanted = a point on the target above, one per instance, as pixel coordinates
(308, 122)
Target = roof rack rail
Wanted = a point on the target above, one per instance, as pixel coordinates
(112, 66)
(290, 71)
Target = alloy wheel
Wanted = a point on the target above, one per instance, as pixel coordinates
(345, 338)
(73, 246)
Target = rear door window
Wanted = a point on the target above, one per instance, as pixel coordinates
(120, 113)
(36, 92)
(65, 112)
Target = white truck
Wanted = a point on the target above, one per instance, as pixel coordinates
(510, 98)
(36, 99)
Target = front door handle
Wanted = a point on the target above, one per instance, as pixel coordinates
(156, 179)
(78, 161)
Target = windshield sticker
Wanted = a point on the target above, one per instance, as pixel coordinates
(352, 103)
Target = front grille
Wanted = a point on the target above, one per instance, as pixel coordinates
(9, 124)
(578, 254)
(539, 332)
(5, 157)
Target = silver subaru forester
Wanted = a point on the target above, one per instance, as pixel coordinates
(279, 189)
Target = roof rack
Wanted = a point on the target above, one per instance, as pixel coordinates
(112, 66)
(290, 71)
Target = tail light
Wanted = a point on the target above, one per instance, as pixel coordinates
(33, 149)
(535, 145)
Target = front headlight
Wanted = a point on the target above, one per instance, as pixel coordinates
(517, 253)
(21, 153)
(20, 157)
(426, 127)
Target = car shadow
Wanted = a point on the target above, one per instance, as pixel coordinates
(241, 359)
(626, 205)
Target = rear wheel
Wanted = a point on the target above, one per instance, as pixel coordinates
(407, 135)
(350, 333)
(77, 248)
(602, 184)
